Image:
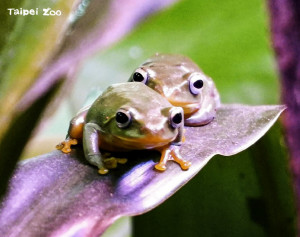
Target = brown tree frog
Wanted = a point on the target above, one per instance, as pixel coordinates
(128, 116)
(183, 84)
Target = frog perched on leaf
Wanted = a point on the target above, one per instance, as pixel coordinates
(183, 84)
(128, 116)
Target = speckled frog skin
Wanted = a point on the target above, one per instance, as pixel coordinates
(128, 116)
(183, 84)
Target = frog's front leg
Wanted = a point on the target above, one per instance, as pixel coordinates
(207, 112)
(91, 146)
(165, 154)
(75, 131)
(203, 116)
(172, 153)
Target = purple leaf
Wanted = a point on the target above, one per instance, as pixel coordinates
(61, 195)
(285, 20)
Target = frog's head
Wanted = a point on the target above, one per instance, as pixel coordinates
(181, 84)
(136, 117)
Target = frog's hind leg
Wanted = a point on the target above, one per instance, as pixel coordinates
(75, 132)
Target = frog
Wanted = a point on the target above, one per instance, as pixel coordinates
(183, 84)
(126, 117)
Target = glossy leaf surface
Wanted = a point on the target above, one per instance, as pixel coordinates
(58, 194)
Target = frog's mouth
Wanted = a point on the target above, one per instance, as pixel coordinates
(143, 142)
(188, 108)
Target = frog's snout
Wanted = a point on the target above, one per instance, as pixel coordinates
(176, 117)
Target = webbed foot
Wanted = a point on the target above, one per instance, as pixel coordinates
(112, 162)
(65, 146)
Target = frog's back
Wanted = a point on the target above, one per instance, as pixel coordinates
(134, 94)
(171, 61)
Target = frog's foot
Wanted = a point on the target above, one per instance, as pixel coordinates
(65, 146)
(103, 170)
(200, 119)
(172, 153)
(122, 161)
(185, 165)
(161, 165)
(112, 162)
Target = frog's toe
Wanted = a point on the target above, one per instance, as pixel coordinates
(160, 167)
(111, 163)
(103, 171)
(185, 165)
(183, 138)
(59, 146)
(66, 149)
(121, 160)
(65, 146)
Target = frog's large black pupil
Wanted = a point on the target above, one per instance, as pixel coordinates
(121, 118)
(138, 77)
(177, 118)
(198, 84)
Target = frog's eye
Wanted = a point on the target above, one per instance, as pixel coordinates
(140, 75)
(196, 83)
(123, 118)
(175, 117)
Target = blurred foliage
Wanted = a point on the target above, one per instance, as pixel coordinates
(39, 34)
(27, 45)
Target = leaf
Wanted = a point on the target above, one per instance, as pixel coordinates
(58, 194)
(30, 43)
